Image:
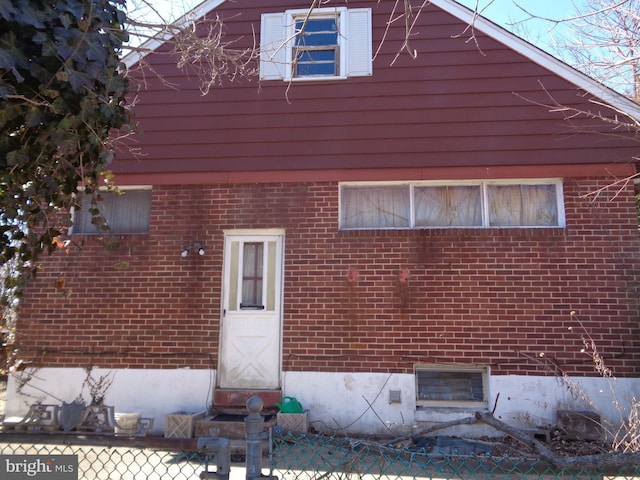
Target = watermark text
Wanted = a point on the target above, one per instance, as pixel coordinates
(39, 467)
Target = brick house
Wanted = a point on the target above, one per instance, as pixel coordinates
(391, 241)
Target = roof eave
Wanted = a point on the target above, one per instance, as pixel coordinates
(617, 101)
(152, 44)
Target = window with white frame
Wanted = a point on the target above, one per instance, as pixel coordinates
(316, 51)
(473, 204)
(438, 386)
(126, 212)
(324, 43)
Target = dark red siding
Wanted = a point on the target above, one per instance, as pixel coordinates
(455, 105)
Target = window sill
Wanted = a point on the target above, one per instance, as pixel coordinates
(103, 235)
(446, 414)
(314, 79)
(520, 232)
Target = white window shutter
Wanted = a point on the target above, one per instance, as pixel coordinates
(359, 49)
(272, 47)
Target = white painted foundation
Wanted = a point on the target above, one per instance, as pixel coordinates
(338, 403)
(152, 393)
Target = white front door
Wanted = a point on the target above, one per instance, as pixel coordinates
(250, 334)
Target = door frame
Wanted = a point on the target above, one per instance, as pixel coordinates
(252, 234)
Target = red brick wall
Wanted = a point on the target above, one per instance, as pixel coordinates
(494, 297)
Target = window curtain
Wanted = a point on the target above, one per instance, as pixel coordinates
(522, 205)
(448, 206)
(125, 212)
(539, 205)
(252, 266)
(376, 207)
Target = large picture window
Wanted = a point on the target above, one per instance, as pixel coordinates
(497, 204)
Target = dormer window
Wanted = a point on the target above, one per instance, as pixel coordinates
(316, 50)
(324, 44)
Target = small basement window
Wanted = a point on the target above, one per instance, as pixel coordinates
(438, 386)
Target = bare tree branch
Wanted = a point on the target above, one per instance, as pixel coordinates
(602, 39)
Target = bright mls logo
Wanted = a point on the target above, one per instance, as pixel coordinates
(39, 467)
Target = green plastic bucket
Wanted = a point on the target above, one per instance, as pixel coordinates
(289, 405)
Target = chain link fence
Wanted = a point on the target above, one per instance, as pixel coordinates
(104, 462)
(318, 457)
(298, 457)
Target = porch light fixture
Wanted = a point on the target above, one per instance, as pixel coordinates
(195, 246)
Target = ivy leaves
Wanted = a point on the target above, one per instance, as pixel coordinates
(62, 92)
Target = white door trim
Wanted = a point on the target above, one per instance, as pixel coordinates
(250, 346)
